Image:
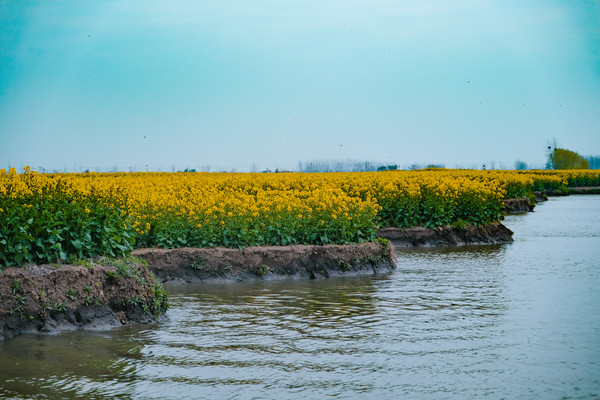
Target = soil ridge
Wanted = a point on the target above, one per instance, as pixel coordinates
(206, 265)
(494, 233)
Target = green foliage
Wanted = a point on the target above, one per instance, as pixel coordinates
(263, 270)
(198, 264)
(84, 263)
(581, 178)
(60, 307)
(44, 221)
(383, 241)
(112, 275)
(160, 299)
(125, 266)
(460, 224)
(16, 286)
(516, 189)
(567, 159)
(280, 228)
(344, 265)
(398, 208)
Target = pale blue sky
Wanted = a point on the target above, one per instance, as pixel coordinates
(229, 84)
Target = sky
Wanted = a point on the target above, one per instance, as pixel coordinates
(251, 85)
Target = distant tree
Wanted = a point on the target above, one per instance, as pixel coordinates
(594, 161)
(521, 165)
(566, 159)
(337, 166)
(387, 168)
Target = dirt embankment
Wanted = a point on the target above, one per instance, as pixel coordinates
(495, 233)
(49, 299)
(541, 196)
(524, 205)
(268, 262)
(584, 190)
(518, 206)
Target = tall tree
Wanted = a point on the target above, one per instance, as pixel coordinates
(567, 159)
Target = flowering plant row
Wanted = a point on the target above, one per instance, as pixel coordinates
(63, 217)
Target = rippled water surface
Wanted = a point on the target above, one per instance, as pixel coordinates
(512, 321)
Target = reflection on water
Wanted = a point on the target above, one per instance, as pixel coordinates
(513, 321)
(68, 365)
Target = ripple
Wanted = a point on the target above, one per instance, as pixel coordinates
(512, 321)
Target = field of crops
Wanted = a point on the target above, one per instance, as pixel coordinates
(62, 217)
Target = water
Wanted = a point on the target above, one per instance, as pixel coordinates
(512, 321)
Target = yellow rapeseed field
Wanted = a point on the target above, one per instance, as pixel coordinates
(49, 217)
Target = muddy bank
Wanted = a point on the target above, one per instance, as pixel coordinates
(518, 206)
(495, 233)
(268, 262)
(584, 190)
(569, 190)
(50, 299)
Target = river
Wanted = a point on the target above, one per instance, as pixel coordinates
(516, 321)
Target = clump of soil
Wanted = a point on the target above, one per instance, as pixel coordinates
(447, 235)
(49, 299)
(268, 262)
(518, 206)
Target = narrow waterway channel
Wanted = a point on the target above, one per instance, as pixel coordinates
(513, 321)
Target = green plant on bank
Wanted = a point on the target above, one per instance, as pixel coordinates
(383, 241)
(344, 265)
(134, 300)
(128, 266)
(532, 200)
(112, 275)
(71, 294)
(160, 299)
(198, 264)
(18, 306)
(263, 270)
(16, 286)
